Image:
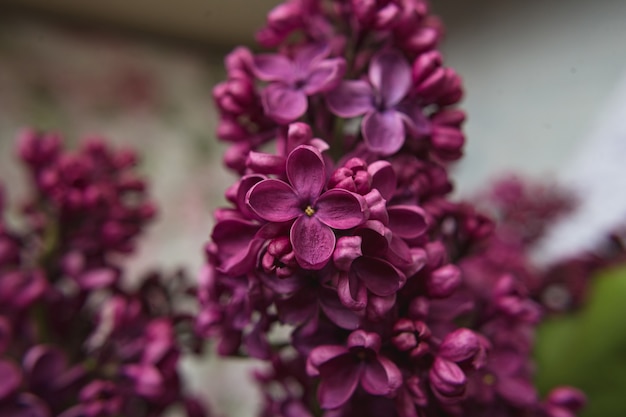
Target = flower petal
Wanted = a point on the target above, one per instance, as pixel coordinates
(379, 276)
(341, 379)
(274, 201)
(272, 67)
(407, 222)
(351, 98)
(378, 307)
(390, 74)
(383, 132)
(361, 338)
(447, 377)
(265, 163)
(383, 178)
(306, 172)
(325, 76)
(381, 377)
(322, 354)
(313, 242)
(283, 103)
(309, 55)
(341, 209)
(337, 312)
(351, 293)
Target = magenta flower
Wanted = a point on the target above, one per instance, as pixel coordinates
(315, 213)
(341, 369)
(384, 125)
(292, 80)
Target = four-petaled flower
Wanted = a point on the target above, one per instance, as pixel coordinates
(341, 369)
(379, 99)
(315, 212)
(292, 80)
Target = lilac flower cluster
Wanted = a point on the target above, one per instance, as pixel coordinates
(346, 232)
(524, 211)
(74, 340)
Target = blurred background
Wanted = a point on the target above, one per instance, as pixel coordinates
(545, 89)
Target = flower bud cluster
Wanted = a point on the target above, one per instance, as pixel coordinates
(347, 234)
(74, 342)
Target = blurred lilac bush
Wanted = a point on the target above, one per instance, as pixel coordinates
(74, 339)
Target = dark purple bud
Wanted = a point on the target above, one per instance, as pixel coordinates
(298, 134)
(420, 40)
(447, 378)
(411, 336)
(463, 345)
(443, 281)
(564, 402)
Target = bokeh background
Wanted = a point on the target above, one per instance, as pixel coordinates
(545, 92)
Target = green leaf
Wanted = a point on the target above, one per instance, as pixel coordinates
(588, 349)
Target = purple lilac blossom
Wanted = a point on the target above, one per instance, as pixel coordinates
(400, 301)
(315, 212)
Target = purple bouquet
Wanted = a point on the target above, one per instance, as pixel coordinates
(399, 301)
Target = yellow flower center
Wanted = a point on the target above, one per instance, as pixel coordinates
(489, 379)
(309, 211)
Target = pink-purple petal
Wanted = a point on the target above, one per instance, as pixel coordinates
(272, 67)
(378, 307)
(379, 276)
(447, 377)
(361, 338)
(337, 387)
(325, 76)
(406, 221)
(313, 242)
(306, 172)
(374, 378)
(383, 178)
(274, 201)
(390, 74)
(337, 312)
(265, 163)
(283, 103)
(309, 56)
(351, 98)
(381, 377)
(322, 354)
(348, 248)
(244, 185)
(383, 132)
(351, 293)
(341, 209)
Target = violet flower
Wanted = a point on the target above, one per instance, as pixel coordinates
(293, 80)
(315, 212)
(384, 125)
(342, 369)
